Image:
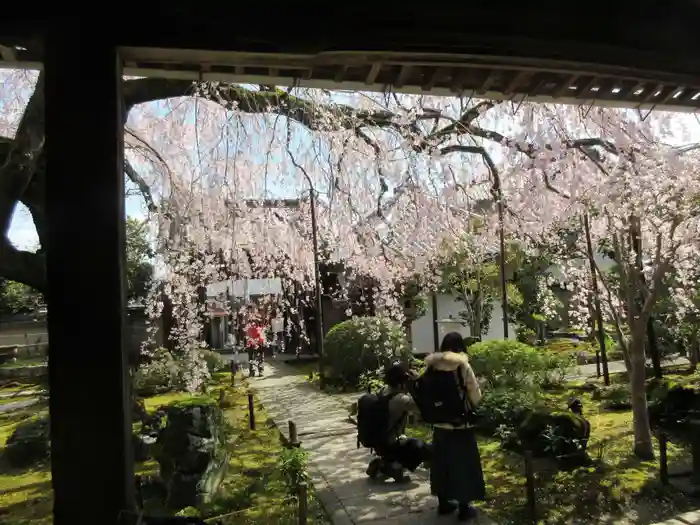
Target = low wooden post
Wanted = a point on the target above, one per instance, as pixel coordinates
(663, 457)
(222, 398)
(530, 486)
(695, 449)
(139, 492)
(251, 410)
(303, 503)
(293, 436)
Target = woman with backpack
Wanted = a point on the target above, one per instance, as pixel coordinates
(456, 477)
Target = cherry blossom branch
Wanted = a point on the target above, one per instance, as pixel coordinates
(144, 188)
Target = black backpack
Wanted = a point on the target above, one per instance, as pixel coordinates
(373, 420)
(441, 397)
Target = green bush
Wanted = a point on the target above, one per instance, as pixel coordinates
(293, 465)
(614, 397)
(525, 334)
(363, 344)
(504, 407)
(160, 374)
(512, 364)
(215, 361)
(30, 443)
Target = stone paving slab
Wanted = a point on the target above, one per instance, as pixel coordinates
(690, 518)
(336, 465)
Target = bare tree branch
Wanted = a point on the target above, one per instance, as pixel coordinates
(144, 189)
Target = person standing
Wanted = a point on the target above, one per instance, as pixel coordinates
(447, 395)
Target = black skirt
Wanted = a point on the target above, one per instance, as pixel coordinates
(455, 470)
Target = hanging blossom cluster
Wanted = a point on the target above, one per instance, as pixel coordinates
(639, 193)
(395, 182)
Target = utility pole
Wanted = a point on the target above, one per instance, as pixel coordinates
(319, 290)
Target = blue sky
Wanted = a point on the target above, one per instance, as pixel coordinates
(23, 234)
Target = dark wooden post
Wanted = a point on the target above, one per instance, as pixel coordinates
(85, 261)
(695, 449)
(251, 410)
(530, 486)
(293, 436)
(436, 332)
(663, 457)
(303, 503)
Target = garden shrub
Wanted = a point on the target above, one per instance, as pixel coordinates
(512, 364)
(614, 397)
(293, 467)
(503, 408)
(160, 374)
(30, 443)
(363, 344)
(672, 406)
(525, 334)
(215, 361)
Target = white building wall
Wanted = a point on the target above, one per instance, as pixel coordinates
(448, 308)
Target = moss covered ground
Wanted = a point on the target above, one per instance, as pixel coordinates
(253, 490)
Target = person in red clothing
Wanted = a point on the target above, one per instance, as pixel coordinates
(255, 341)
(254, 335)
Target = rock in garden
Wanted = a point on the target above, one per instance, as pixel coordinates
(191, 452)
(29, 444)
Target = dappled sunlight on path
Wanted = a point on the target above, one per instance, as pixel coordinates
(337, 466)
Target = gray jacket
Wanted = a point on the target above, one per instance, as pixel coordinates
(400, 406)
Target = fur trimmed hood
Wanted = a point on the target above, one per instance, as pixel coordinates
(446, 361)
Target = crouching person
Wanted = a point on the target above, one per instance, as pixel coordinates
(381, 425)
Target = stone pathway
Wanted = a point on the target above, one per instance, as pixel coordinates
(689, 518)
(585, 371)
(17, 405)
(336, 465)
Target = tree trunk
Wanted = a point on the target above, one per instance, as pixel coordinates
(654, 349)
(643, 446)
(694, 354)
(478, 313)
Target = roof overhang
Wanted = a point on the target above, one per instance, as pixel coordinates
(623, 53)
(471, 76)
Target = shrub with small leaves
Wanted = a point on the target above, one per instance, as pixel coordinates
(159, 373)
(363, 344)
(503, 408)
(614, 397)
(215, 361)
(293, 465)
(511, 364)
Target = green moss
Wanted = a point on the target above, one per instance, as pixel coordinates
(20, 363)
(614, 482)
(253, 490)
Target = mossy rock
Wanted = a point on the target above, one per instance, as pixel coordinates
(559, 435)
(191, 452)
(29, 444)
